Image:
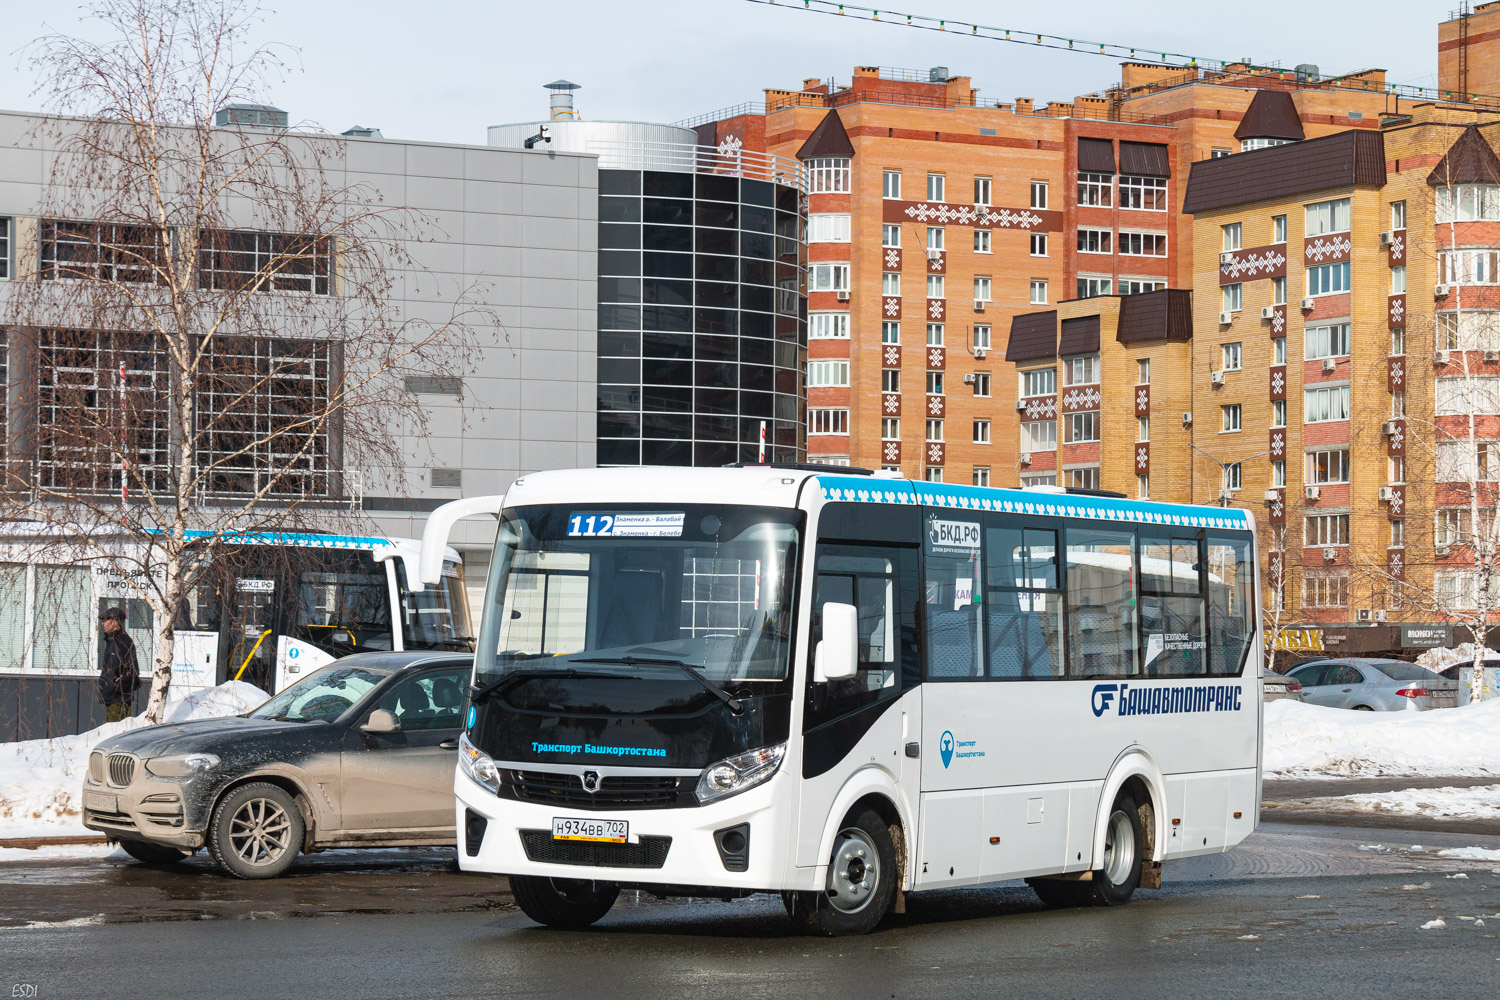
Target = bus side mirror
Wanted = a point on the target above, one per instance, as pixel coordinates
(837, 657)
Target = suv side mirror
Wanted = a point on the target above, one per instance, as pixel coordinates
(837, 656)
(381, 721)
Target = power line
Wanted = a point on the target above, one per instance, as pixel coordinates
(1112, 50)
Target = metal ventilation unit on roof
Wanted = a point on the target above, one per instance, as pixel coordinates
(938, 74)
(251, 116)
(1306, 72)
(562, 100)
(360, 132)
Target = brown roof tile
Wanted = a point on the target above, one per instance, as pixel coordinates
(828, 139)
(1165, 314)
(1470, 160)
(1146, 159)
(1080, 335)
(1097, 156)
(1032, 336)
(1272, 114)
(1343, 159)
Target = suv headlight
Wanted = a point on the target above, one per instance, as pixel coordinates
(733, 775)
(477, 765)
(180, 765)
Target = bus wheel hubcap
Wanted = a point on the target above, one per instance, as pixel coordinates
(854, 872)
(1119, 848)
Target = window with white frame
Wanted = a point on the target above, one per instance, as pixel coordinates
(981, 475)
(1143, 487)
(1325, 588)
(1038, 382)
(1465, 394)
(1395, 468)
(1278, 291)
(890, 283)
(1229, 236)
(1143, 371)
(827, 227)
(982, 384)
(828, 326)
(1092, 240)
(1398, 403)
(1038, 292)
(1231, 356)
(1038, 194)
(981, 241)
(890, 331)
(934, 431)
(1455, 588)
(1233, 476)
(1096, 189)
(1398, 279)
(937, 285)
(1082, 427)
(1082, 369)
(1469, 330)
(1327, 217)
(1398, 215)
(1325, 403)
(890, 235)
(1331, 341)
(1082, 478)
(1398, 341)
(1231, 298)
(933, 473)
(1134, 243)
(1039, 435)
(1090, 285)
(1278, 229)
(1135, 286)
(1278, 473)
(1328, 279)
(824, 420)
(1143, 429)
(1320, 530)
(934, 383)
(891, 185)
(1147, 194)
(937, 187)
(1469, 203)
(981, 191)
(1216, 152)
(1278, 350)
(1468, 267)
(981, 432)
(1278, 413)
(981, 336)
(890, 380)
(935, 334)
(1038, 244)
(1467, 461)
(890, 428)
(1039, 479)
(1329, 465)
(1398, 533)
(1229, 418)
(5, 244)
(828, 175)
(1260, 142)
(827, 374)
(937, 238)
(828, 278)
(982, 289)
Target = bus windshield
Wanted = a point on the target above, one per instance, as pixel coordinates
(436, 617)
(607, 590)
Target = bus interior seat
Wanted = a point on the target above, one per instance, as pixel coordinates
(634, 610)
(950, 645)
(1018, 646)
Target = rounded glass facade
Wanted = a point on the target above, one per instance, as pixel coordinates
(702, 319)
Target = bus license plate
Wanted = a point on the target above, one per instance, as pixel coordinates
(604, 831)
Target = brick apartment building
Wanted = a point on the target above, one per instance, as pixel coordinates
(1191, 287)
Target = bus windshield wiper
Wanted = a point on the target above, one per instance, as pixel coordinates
(735, 704)
(479, 695)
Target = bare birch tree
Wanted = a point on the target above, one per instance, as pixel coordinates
(206, 341)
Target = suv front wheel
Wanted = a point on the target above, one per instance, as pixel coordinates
(256, 831)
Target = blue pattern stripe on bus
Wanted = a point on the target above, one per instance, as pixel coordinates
(293, 538)
(865, 490)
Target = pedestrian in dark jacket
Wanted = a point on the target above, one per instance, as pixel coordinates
(119, 674)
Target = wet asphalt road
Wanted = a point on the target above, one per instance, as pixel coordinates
(1297, 910)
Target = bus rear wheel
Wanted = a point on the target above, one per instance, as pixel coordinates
(570, 903)
(1119, 874)
(861, 882)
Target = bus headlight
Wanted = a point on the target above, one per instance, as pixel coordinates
(735, 774)
(180, 765)
(477, 765)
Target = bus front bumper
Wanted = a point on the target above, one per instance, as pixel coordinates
(670, 847)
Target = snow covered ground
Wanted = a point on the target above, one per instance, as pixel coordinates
(41, 780)
(1479, 802)
(1309, 741)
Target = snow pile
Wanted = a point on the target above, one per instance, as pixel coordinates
(1440, 659)
(41, 780)
(1310, 741)
(1471, 853)
(1479, 802)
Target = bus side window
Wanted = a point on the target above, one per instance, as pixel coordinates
(1023, 608)
(871, 579)
(953, 625)
(1101, 602)
(1231, 597)
(1173, 625)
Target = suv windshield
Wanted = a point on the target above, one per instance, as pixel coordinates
(320, 697)
(641, 590)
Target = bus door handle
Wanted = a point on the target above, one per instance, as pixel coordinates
(913, 749)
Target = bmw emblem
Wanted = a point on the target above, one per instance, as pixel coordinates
(591, 781)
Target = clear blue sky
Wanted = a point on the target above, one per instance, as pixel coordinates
(444, 69)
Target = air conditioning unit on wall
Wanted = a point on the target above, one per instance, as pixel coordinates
(1267, 312)
(1311, 493)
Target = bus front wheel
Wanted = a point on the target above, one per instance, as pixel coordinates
(563, 902)
(861, 882)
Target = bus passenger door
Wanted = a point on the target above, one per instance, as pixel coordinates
(865, 722)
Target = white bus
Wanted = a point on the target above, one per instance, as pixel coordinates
(845, 688)
(271, 607)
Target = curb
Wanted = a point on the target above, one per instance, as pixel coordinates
(31, 843)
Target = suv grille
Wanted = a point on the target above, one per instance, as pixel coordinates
(121, 769)
(616, 791)
(651, 852)
(96, 766)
